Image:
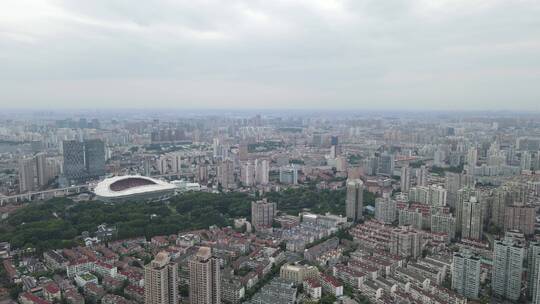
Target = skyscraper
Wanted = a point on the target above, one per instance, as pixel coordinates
(262, 213)
(508, 257)
(405, 179)
(204, 278)
(288, 175)
(385, 210)
(471, 219)
(355, 199)
(520, 218)
(161, 281)
(74, 166)
(83, 160)
(94, 157)
(466, 274)
(262, 171)
(422, 176)
(226, 174)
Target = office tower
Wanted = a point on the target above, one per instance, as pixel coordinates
(520, 218)
(385, 210)
(406, 242)
(262, 213)
(386, 164)
(74, 166)
(405, 179)
(471, 219)
(421, 176)
(94, 156)
(355, 199)
(27, 168)
(508, 257)
(288, 175)
(204, 278)
(444, 223)
(466, 274)
(83, 160)
(247, 173)
(226, 174)
(262, 168)
(161, 281)
(533, 267)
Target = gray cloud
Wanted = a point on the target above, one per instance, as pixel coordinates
(419, 54)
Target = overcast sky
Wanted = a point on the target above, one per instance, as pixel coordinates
(380, 54)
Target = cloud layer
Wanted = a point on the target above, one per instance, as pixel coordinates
(392, 54)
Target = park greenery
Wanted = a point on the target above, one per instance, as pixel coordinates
(59, 222)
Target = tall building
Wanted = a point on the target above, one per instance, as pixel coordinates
(355, 199)
(83, 160)
(243, 151)
(422, 176)
(444, 223)
(247, 173)
(161, 281)
(386, 164)
(226, 174)
(471, 219)
(508, 257)
(501, 199)
(406, 242)
(42, 171)
(463, 195)
(405, 179)
(288, 175)
(262, 171)
(74, 166)
(204, 278)
(466, 274)
(385, 210)
(27, 169)
(262, 213)
(533, 267)
(520, 218)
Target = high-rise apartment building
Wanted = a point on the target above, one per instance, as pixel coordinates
(508, 257)
(247, 173)
(422, 176)
(161, 281)
(262, 213)
(262, 171)
(463, 195)
(204, 278)
(406, 242)
(355, 199)
(444, 223)
(520, 218)
(471, 219)
(226, 174)
(385, 210)
(405, 179)
(533, 269)
(288, 175)
(27, 169)
(466, 274)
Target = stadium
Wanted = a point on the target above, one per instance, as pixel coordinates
(133, 188)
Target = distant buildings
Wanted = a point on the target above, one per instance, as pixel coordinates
(355, 199)
(204, 278)
(225, 173)
(161, 281)
(472, 219)
(36, 172)
(405, 179)
(385, 210)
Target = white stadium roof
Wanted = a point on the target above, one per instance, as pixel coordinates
(130, 185)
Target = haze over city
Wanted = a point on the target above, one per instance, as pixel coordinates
(382, 55)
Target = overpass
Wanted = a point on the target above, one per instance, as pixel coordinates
(44, 195)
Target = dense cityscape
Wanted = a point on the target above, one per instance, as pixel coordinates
(269, 207)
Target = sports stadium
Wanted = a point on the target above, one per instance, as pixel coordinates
(133, 188)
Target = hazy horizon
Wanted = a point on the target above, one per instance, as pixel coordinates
(316, 55)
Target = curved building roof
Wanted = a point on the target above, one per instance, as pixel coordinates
(130, 185)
